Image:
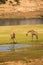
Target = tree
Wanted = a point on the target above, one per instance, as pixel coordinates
(3, 1)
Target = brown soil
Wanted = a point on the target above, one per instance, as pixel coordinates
(30, 62)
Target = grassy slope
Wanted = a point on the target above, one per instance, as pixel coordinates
(20, 32)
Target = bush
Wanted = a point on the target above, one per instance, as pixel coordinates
(3, 1)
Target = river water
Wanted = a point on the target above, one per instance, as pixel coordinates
(15, 46)
(7, 22)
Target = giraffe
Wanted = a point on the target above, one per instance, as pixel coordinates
(12, 36)
(33, 33)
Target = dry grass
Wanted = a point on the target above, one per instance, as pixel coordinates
(26, 9)
(20, 32)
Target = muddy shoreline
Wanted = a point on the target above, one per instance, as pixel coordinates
(26, 62)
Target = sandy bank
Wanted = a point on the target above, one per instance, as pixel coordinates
(29, 62)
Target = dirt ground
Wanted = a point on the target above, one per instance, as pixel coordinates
(29, 62)
(26, 9)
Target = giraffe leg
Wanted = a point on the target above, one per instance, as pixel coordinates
(32, 36)
(37, 37)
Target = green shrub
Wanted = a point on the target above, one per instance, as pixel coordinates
(3, 1)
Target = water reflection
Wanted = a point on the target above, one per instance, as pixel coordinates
(14, 46)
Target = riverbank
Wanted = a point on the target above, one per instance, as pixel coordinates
(27, 53)
(20, 32)
(26, 9)
(30, 62)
